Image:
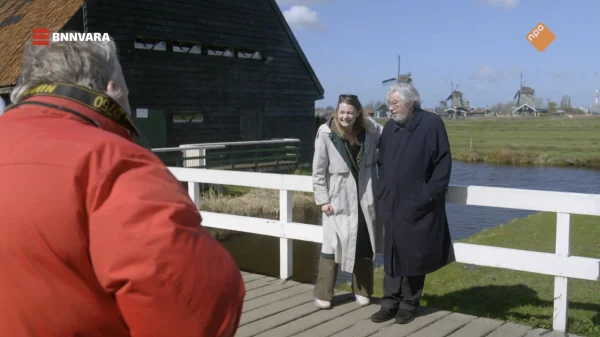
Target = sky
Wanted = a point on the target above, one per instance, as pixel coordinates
(481, 45)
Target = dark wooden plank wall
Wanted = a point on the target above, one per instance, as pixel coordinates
(218, 86)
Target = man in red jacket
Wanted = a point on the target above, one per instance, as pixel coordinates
(97, 238)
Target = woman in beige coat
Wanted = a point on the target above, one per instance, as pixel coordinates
(344, 181)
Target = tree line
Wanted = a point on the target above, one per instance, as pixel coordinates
(500, 108)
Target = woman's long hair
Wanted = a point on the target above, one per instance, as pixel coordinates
(359, 125)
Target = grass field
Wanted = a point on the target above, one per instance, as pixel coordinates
(526, 141)
(513, 296)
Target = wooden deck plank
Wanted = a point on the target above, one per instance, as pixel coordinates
(439, 328)
(261, 282)
(304, 323)
(480, 327)
(548, 333)
(269, 289)
(278, 295)
(251, 277)
(510, 329)
(341, 322)
(445, 326)
(282, 308)
(276, 320)
(276, 307)
(426, 316)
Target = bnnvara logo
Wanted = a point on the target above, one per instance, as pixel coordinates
(43, 36)
(540, 37)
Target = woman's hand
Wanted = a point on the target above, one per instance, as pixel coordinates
(327, 209)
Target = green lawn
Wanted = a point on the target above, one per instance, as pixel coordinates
(526, 141)
(514, 296)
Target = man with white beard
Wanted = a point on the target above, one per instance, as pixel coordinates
(414, 172)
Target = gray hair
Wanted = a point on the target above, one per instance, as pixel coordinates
(408, 94)
(89, 64)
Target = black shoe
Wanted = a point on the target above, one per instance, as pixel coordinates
(383, 315)
(404, 316)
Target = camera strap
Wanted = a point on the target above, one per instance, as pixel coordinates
(99, 102)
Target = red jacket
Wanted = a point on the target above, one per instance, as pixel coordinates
(97, 238)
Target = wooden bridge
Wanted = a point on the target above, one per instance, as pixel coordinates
(277, 308)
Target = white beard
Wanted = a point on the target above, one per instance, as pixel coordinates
(400, 118)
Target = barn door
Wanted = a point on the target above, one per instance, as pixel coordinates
(250, 124)
(152, 125)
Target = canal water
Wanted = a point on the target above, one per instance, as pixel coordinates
(260, 254)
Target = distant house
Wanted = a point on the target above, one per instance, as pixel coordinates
(525, 109)
(382, 111)
(198, 71)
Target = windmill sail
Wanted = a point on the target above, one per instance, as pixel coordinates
(399, 78)
(525, 95)
(455, 96)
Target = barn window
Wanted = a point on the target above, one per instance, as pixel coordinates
(187, 47)
(150, 43)
(220, 51)
(188, 117)
(249, 54)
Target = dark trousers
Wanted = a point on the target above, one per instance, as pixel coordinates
(402, 292)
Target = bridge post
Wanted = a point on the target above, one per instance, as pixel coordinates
(561, 284)
(194, 192)
(286, 256)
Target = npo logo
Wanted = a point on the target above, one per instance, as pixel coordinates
(540, 37)
(43, 36)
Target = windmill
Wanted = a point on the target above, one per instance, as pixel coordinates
(399, 78)
(458, 106)
(525, 97)
(442, 106)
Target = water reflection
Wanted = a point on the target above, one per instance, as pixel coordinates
(260, 254)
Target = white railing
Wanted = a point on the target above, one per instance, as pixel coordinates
(560, 264)
(197, 152)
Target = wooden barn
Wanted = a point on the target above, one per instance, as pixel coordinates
(197, 71)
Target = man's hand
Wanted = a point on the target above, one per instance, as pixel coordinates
(327, 209)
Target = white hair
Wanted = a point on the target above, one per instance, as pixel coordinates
(408, 94)
(89, 64)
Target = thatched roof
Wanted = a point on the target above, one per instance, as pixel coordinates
(527, 91)
(405, 78)
(17, 20)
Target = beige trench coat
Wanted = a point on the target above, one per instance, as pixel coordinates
(333, 183)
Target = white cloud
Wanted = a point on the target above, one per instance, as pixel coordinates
(504, 3)
(300, 2)
(302, 17)
(490, 74)
(485, 72)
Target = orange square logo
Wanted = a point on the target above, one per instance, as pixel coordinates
(540, 37)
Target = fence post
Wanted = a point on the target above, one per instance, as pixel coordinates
(286, 256)
(194, 192)
(561, 284)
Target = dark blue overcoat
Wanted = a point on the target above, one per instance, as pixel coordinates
(414, 171)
